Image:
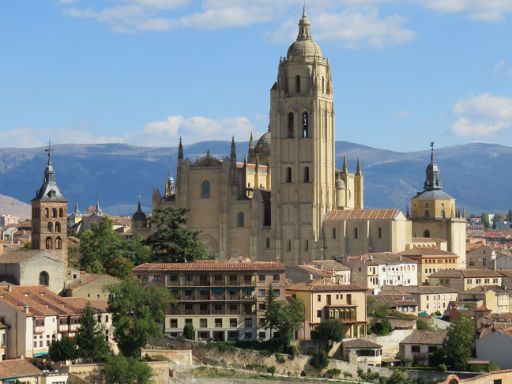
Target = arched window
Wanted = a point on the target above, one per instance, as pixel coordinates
(306, 245)
(297, 84)
(54, 212)
(290, 125)
(50, 226)
(205, 189)
(240, 219)
(380, 233)
(305, 124)
(49, 243)
(44, 279)
(323, 84)
(355, 233)
(46, 212)
(426, 233)
(58, 227)
(289, 174)
(306, 174)
(61, 212)
(58, 243)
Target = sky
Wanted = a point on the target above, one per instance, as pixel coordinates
(144, 72)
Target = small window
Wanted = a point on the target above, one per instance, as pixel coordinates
(306, 245)
(46, 212)
(289, 245)
(380, 233)
(54, 212)
(306, 174)
(289, 174)
(58, 227)
(319, 313)
(426, 233)
(427, 213)
(261, 278)
(49, 243)
(355, 233)
(323, 84)
(203, 323)
(61, 212)
(334, 233)
(275, 277)
(305, 125)
(297, 83)
(44, 279)
(58, 243)
(50, 226)
(268, 243)
(290, 125)
(240, 220)
(205, 189)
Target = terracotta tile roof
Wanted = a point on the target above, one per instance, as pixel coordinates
(18, 368)
(421, 289)
(363, 214)
(20, 255)
(324, 286)
(382, 258)
(314, 270)
(427, 251)
(428, 240)
(360, 343)
(485, 288)
(87, 278)
(506, 272)
(332, 265)
(396, 299)
(41, 301)
(425, 337)
(211, 266)
(466, 273)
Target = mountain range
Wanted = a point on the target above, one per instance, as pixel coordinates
(477, 175)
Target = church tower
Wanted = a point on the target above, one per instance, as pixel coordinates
(435, 215)
(49, 213)
(302, 166)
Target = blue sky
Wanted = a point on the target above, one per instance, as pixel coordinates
(144, 72)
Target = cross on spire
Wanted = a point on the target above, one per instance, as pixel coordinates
(49, 150)
(432, 151)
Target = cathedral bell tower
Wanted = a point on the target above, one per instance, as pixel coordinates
(49, 213)
(302, 166)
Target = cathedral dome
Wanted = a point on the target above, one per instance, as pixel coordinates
(262, 148)
(304, 47)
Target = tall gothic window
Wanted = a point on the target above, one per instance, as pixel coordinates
(305, 124)
(54, 212)
(240, 219)
(46, 212)
(205, 189)
(50, 226)
(290, 125)
(57, 227)
(61, 212)
(355, 233)
(297, 83)
(323, 84)
(306, 174)
(289, 174)
(58, 243)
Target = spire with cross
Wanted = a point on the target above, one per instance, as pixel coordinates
(49, 150)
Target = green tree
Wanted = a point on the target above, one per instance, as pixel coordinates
(381, 327)
(89, 337)
(290, 320)
(171, 242)
(98, 246)
(137, 312)
(459, 344)
(135, 250)
(424, 324)
(272, 317)
(329, 332)
(398, 377)
(377, 308)
(486, 221)
(120, 267)
(188, 332)
(63, 349)
(122, 370)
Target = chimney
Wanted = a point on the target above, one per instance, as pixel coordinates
(9, 288)
(26, 308)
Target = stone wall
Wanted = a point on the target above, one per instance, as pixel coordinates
(391, 343)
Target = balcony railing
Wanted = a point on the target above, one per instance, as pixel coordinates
(39, 329)
(63, 328)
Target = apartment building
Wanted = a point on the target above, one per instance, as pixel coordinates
(35, 317)
(465, 279)
(494, 298)
(324, 300)
(431, 260)
(375, 270)
(222, 300)
(319, 269)
(430, 299)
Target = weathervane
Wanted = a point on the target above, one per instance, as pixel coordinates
(49, 150)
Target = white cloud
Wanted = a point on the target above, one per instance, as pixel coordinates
(502, 68)
(484, 10)
(482, 115)
(156, 133)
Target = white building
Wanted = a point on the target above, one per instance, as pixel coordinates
(36, 316)
(375, 270)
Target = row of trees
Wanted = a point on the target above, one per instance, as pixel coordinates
(104, 251)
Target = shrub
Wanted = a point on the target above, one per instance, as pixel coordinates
(224, 346)
(272, 370)
(265, 353)
(493, 367)
(423, 324)
(188, 332)
(381, 327)
(319, 360)
(442, 367)
(332, 373)
(347, 374)
(280, 358)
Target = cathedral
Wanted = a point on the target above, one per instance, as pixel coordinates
(287, 201)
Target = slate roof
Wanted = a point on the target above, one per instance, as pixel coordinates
(18, 368)
(433, 195)
(425, 337)
(211, 266)
(363, 214)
